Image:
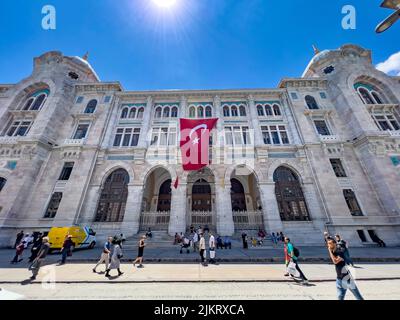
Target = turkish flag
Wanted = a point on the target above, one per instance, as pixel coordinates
(194, 142)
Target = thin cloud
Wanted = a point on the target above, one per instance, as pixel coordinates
(391, 66)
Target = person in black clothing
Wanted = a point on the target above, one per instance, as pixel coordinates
(344, 279)
(67, 248)
(20, 235)
(36, 247)
(244, 240)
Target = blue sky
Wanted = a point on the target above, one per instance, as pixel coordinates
(198, 44)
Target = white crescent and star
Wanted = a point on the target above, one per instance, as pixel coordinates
(197, 140)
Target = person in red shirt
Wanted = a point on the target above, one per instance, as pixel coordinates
(287, 258)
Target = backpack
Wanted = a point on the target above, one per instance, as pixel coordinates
(296, 252)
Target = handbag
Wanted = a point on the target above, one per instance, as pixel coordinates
(212, 253)
(291, 269)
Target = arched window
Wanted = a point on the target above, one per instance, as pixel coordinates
(28, 103)
(200, 112)
(277, 110)
(164, 196)
(260, 110)
(39, 102)
(192, 112)
(2, 183)
(311, 103)
(140, 113)
(234, 111)
(91, 106)
(377, 98)
(132, 113)
(112, 202)
(174, 112)
(365, 96)
(289, 195)
(226, 111)
(166, 112)
(124, 113)
(268, 110)
(158, 113)
(238, 197)
(242, 111)
(208, 112)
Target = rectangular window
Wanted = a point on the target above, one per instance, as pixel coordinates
(66, 171)
(338, 168)
(107, 99)
(322, 127)
(79, 100)
(165, 136)
(275, 135)
(294, 95)
(126, 137)
(322, 95)
(54, 203)
(81, 131)
(19, 128)
(237, 135)
(362, 236)
(386, 122)
(352, 202)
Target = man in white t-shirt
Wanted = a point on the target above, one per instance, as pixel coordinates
(195, 241)
(212, 248)
(202, 247)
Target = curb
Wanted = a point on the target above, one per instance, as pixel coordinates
(36, 282)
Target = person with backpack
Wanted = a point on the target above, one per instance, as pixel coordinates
(294, 254)
(344, 246)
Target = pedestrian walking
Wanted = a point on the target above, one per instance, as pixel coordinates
(274, 238)
(28, 239)
(18, 239)
(18, 253)
(294, 255)
(115, 258)
(202, 247)
(105, 255)
(212, 248)
(287, 259)
(66, 250)
(41, 256)
(195, 242)
(36, 247)
(344, 279)
(244, 240)
(344, 246)
(139, 258)
(282, 236)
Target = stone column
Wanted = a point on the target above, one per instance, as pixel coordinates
(177, 222)
(272, 219)
(130, 224)
(225, 225)
(145, 135)
(183, 107)
(258, 139)
(218, 148)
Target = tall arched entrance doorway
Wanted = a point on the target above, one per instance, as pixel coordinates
(156, 202)
(201, 199)
(246, 201)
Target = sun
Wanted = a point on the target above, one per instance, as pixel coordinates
(165, 3)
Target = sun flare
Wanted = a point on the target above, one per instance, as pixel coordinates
(164, 3)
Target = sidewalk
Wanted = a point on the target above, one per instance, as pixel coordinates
(82, 273)
(236, 255)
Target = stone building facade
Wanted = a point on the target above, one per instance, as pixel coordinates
(320, 152)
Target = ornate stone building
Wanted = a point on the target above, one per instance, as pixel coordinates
(320, 152)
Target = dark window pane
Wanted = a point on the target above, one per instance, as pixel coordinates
(66, 171)
(54, 203)
(338, 168)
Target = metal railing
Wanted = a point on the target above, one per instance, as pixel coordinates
(248, 220)
(202, 218)
(158, 220)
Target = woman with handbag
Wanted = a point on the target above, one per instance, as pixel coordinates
(115, 259)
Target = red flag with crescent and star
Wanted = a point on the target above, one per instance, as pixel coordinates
(194, 142)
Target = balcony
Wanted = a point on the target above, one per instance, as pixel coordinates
(395, 133)
(74, 142)
(330, 138)
(9, 140)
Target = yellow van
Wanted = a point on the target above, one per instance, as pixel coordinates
(84, 237)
